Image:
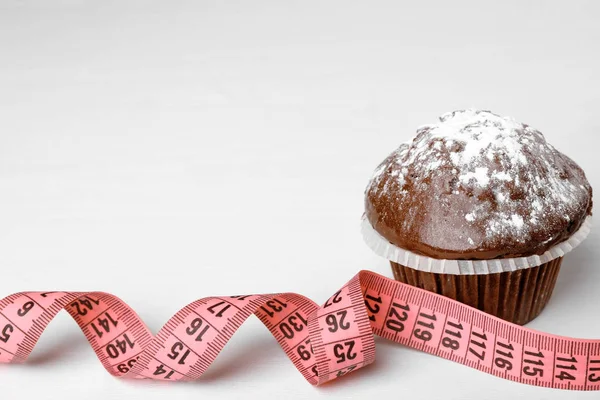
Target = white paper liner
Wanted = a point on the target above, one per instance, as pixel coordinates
(382, 247)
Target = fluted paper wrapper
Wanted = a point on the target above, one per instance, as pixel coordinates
(385, 249)
(516, 289)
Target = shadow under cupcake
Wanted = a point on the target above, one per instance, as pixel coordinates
(481, 209)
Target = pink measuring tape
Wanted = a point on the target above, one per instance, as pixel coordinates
(323, 342)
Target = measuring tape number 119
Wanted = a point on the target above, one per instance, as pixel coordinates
(322, 342)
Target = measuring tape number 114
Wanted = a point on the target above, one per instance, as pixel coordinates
(322, 342)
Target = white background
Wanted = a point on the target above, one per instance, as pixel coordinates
(167, 151)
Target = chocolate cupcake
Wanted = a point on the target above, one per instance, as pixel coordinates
(479, 208)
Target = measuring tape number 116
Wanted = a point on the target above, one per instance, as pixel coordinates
(322, 342)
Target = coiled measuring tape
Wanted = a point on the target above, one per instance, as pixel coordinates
(322, 342)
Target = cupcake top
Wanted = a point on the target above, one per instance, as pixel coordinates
(477, 186)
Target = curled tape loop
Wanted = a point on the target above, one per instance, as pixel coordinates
(322, 342)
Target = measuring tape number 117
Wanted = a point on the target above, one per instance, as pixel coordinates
(322, 342)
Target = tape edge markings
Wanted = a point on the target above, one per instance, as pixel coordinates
(323, 343)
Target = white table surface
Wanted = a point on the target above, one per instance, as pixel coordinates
(167, 151)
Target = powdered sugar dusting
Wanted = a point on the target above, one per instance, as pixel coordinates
(498, 176)
(480, 175)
